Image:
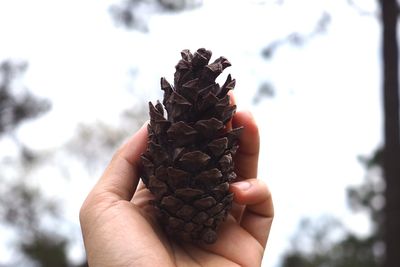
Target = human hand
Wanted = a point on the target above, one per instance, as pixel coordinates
(119, 228)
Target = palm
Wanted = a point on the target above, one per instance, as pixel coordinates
(185, 254)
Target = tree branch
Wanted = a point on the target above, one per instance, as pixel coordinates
(361, 10)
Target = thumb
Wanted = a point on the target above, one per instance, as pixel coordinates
(120, 179)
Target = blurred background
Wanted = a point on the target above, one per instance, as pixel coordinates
(320, 76)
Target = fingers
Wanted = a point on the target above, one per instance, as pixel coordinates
(259, 212)
(237, 211)
(121, 177)
(246, 158)
(235, 244)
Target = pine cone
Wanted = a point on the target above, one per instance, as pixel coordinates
(188, 164)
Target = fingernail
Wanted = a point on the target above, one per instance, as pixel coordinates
(243, 185)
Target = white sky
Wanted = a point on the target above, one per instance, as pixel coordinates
(326, 110)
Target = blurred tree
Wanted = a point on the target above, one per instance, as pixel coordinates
(391, 149)
(133, 13)
(23, 207)
(266, 89)
(298, 39)
(323, 247)
(94, 143)
(379, 197)
(16, 104)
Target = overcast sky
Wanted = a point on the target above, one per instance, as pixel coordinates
(325, 113)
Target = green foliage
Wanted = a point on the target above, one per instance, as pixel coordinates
(47, 251)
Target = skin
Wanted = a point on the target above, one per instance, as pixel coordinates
(119, 229)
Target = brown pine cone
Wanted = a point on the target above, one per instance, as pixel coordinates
(188, 164)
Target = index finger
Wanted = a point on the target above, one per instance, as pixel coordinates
(246, 158)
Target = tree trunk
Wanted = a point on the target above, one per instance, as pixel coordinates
(391, 165)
